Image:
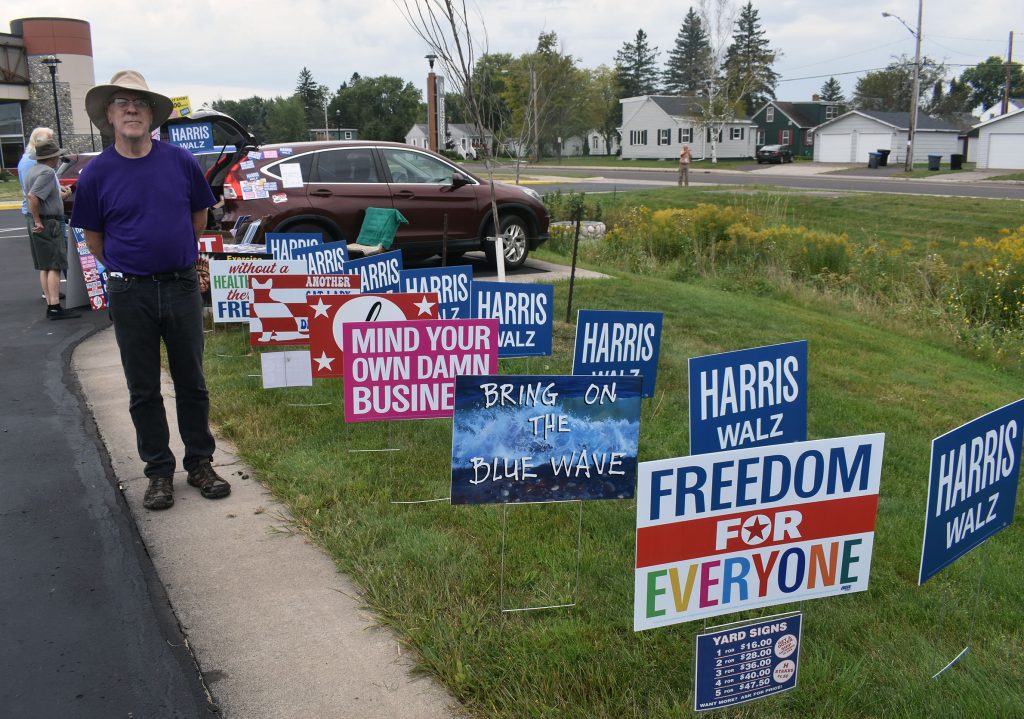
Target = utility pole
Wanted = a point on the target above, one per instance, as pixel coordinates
(1009, 72)
(912, 129)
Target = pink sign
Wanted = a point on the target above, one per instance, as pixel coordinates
(407, 369)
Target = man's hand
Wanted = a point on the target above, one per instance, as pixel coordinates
(37, 226)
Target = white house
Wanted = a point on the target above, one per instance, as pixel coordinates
(851, 136)
(463, 139)
(595, 142)
(417, 136)
(657, 126)
(999, 143)
(991, 113)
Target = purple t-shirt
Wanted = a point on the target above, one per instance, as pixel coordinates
(143, 207)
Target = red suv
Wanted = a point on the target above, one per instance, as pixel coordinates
(327, 186)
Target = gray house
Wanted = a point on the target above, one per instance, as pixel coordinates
(999, 143)
(463, 139)
(850, 137)
(657, 126)
(417, 136)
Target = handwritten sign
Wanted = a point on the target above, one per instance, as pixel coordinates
(407, 370)
(544, 438)
(328, 315)
(730, 531)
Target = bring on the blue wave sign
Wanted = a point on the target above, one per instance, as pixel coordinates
(972, 487)
(748, 398)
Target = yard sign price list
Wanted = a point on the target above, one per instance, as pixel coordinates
(743, 663)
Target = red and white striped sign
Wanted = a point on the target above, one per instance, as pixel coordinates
(279, 314)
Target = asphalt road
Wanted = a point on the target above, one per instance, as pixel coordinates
(85, 627)
(614, 180)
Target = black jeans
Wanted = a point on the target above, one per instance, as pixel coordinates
(146, 311)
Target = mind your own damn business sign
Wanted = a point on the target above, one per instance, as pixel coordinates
(731, 531)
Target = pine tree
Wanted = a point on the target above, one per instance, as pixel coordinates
(748, 62)
(311, 97)
(832, 91)
(689, 62)
(636, 67)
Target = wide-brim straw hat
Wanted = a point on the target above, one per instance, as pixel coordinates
(47, 149)
(97, 98)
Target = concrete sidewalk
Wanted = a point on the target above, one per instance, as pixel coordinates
(275, 629)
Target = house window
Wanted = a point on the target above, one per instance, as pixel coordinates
(664, 137)
(760, 137)
(785, 137)
(769, 114)
(735, 133)
(685, 134)
(809, 138)
(638, 137)
(718, 135)
(348, 134)
(593, 142)
(831, 112)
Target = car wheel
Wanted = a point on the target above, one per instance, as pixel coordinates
(514, 230)
(310, 227)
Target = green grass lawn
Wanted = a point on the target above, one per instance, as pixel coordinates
(432, 571)
(10, 190)
(620, 164)
(1016, 177)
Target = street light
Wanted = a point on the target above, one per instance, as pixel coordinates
(51, 62)
(912, 130)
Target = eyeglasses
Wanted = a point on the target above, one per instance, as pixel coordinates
(138, 102)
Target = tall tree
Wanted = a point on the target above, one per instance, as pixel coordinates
(600, 109)
(381, 108)
(890, 89)
(286, 120)
(832, 91)
(720, 101)
(311, 95)
(952, 105)
(250, 112)
(987, 80)
(637, 66)
(748, 62)
(688, 67)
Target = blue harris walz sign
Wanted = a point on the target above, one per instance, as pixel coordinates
(378, 273)
(453, 285)
(325, 259)
(282, 245)
(618, 343)
(523, 312)
(193, 136)
(748, 398)
(972, 486)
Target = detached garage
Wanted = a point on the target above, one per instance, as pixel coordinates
(850, 137)
(1000, 142)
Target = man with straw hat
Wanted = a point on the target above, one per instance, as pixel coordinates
(142, 204)
(47, 239)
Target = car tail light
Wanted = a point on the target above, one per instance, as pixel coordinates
(232, 188)
(68, 181)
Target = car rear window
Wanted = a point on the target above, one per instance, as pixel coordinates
(345, 165)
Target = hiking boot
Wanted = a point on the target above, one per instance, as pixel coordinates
(211, 485)
(60, 313)
(159, 493)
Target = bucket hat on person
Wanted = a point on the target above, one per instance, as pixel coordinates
(48, 149)
(97, 99)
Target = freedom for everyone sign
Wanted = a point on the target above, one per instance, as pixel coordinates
(407, 370)
(747, 662)
(543, 438)
(329, 314)
(748, 398)
(453, 286)
(524, 311)
(230, 294)
(731, 531)
(972, 486)
(618, 343)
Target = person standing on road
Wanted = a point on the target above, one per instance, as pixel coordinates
(684, 166)
(28, 159)
(142, 205)
(47, 240)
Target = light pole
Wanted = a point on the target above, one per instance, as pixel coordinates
(51, 62)
(912, 130)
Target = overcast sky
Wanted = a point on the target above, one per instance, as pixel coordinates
(210, 50)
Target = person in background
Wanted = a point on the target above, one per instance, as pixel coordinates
(49, 245)
(684, 166)
(142, 205)
(28, 159)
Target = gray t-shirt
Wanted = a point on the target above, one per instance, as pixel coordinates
(42, 182)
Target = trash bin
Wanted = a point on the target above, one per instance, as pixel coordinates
(873, 159)
(956, 162)
(933, 161)
(883, 159)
